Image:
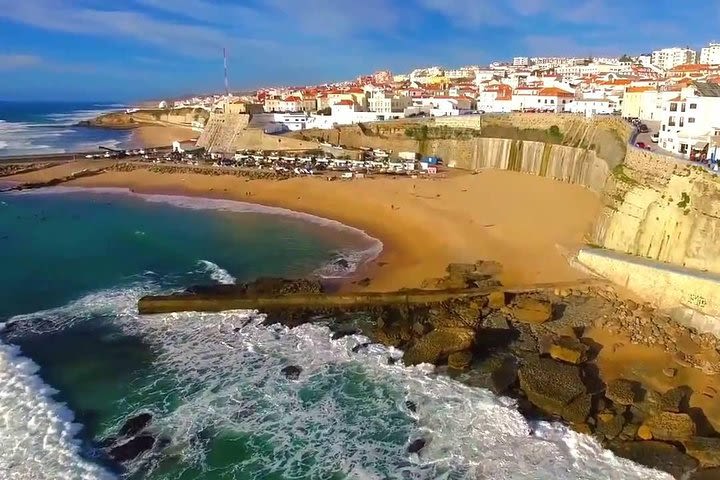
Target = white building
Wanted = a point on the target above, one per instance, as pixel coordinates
(691, 121)
(710, 55)
(381, 102)
(590, 107)
(521, 61)
(668, 58)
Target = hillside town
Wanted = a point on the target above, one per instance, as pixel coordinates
(672, 93)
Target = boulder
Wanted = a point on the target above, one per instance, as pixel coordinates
(644, 433)
(497, 300)
(568, 349)
(549, 384)
(460, 269)
(610, 425)
(342, 264)
(438, 344)
(416, 445)
(705, 449)
(410, 405)
(675, 399)
(658, 455)
(504, 376)
(132, 449)
(671, 426)
(491, 268)
(460, 360)
(531, 310)
(578, 410)
(292, 372)
(136, 424)
(456, 313)
(623, 392)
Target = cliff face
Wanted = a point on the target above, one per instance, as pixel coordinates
(658, 208)
(180, 116)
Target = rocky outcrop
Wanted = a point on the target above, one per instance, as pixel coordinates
(658, 455)
(671, 426)
(623, 392)
(568, 349)
(705, 450)
(438, 344)
(531, 310)
(551, 385)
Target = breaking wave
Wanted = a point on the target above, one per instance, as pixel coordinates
(38, 434)
(217, 273)
(346, 415)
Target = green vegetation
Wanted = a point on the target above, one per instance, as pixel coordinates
(684, 201)
(625, 58)
(555, 134)
(619, 173)
(424, 132)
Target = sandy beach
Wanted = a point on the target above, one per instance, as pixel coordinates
(526, 223)
(151, 136)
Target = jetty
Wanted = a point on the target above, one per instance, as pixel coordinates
(222, 299)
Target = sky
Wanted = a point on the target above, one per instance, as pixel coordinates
(130, 50)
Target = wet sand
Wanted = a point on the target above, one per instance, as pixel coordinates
(526, 223)
(151, 136)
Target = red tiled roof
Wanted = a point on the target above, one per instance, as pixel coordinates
(690, 67)
(554, 92)
(293, 99)
(639, 89)
(348, 103)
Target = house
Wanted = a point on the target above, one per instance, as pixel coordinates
(388, 104)
(496, 99)
(690, 70)
(550, 99)
(691, 120)
(589, 107)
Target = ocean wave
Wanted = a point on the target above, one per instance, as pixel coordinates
(217, 273)
(346, 414)
(354, 257)
(38, 434)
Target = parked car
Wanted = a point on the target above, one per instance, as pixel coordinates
(655, 138)
(642, 128)
(642, 145)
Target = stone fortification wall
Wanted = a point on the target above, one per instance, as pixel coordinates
(228, 133)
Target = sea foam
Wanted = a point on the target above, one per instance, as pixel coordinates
(217, 273)
(345, 415)
(38, 434)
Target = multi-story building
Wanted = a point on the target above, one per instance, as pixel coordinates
(710, 55)
(668, 58)
(521, 61)
(691, 121)
(381, 102)
(590, 107)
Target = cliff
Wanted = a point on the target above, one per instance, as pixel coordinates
(659, 208)
(123, 120)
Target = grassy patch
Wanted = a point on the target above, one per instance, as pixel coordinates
(619, 173)
(684, 201)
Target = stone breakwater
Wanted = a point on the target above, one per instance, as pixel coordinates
(552, 350)
(251, 174)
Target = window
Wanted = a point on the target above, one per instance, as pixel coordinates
(682, 122)
(691, 119)
(671, 121)
(682, 107)
(673, 107)
(693, 106)
(552, 100)
(683, 148)
(663, 128)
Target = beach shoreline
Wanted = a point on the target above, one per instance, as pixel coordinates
(523, 222)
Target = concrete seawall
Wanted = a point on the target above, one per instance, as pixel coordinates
(691, 296)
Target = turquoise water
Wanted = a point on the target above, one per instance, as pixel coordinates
(75, 265)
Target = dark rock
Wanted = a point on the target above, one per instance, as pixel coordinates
(623, 392)
(342, 263)
(291, 372)
(658, 455)
(578, 410)
(107, 442)
(341, 331)
(136, 424)
(704, 449)
(496, 322)
(360, 346)
(504, 376)
(629, 431)
(438, 344)
(460, 360)
(457, 313)
(391, 361)
(410, 405)
(131, 449)
(416, 445)
(675, 400)
(610, 425)
(365, 282)
(671, 426)
(550, 385)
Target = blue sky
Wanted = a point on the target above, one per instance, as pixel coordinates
(137, 49)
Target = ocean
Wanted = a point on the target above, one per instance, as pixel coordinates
(28, 128)
(76, 359)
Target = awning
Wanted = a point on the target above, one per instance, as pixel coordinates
(700, 146)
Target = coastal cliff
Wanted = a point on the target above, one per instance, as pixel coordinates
(124, 120)
(658, 208)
